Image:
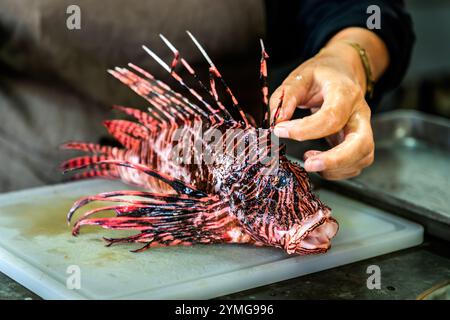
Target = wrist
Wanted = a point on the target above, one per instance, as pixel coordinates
(378, 55)
(349, 59)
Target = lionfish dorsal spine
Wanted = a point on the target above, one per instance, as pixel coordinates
(152, 91)
(215, 73)
(208, 108)
(210, 92)
(264, 86)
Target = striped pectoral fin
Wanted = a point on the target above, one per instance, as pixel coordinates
(96, 169)
(82, 161)
(144, 118)
(150, 230)
(178, 236)
(99, 172)
(162, 220)
(150, 240)
(90, 147)
(134, 129)
(181, 233)
(129, 134)
(178, 185)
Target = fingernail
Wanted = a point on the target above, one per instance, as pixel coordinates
(311, 153)
(279, 117)
(314, 165)
(281, 132)
(280, 114)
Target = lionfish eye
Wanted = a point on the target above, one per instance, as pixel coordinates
(282, 181)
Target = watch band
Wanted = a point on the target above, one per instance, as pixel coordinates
(370, 83)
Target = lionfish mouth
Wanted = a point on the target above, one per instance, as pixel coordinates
(312, 236)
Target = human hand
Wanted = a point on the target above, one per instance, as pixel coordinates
(332, 85)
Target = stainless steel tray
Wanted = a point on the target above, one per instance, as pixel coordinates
(411, 171)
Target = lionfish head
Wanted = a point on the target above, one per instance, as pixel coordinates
(301, 223)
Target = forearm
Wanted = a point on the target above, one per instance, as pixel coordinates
(377, 53)
(376, 49)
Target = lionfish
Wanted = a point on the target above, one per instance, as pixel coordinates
(233, 199)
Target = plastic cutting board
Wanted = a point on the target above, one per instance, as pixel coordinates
(38, 250)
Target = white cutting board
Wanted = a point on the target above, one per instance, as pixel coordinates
(37, 248)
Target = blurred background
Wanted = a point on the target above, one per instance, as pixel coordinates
(426, 86)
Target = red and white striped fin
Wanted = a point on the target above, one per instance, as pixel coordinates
(82, 161)
(124, 138)
(94, 172)
(162, 109)
(136, 130)
(264, 86)
(162, 220)
(215, 73)
(151, 140)
(89, 147)
(212, 114)
(211, 92)
(143, 117)
(177, 185)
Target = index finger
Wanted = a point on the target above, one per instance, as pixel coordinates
(293, 91)
(329, 119)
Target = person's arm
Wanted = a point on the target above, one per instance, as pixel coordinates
(333, 85)
(375, 47)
